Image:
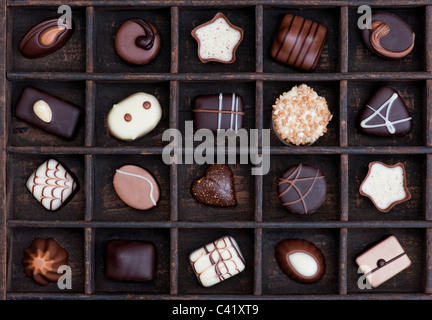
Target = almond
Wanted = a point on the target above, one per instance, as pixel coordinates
(43, 111)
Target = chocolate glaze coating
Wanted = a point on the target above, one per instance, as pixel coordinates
(397, 43)
(394, 109)
(130, 260)
(137, 41)
(299, 42)
(208, 116)
(32, 46)
(289, 246)
(302, 189)
(65, 116)
(42, 259)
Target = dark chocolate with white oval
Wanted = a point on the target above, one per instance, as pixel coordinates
(218, 111)
(389, 37)
(385, 114)
(44, 38)
(301, 260)
(302, 189)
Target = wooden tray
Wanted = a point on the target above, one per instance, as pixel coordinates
(88, 72)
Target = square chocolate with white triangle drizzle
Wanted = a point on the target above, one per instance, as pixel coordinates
(385, 114)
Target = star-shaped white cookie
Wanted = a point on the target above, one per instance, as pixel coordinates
(217, 40)
(385, 185)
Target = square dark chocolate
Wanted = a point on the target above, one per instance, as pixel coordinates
(64, 115)
(218, 111)
(130, 260)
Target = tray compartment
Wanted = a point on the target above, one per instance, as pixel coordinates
(110, 93)
(159, 237)
(109, 207)
(412, 93)
(191, 17)
(25, 135)
(23, 206)
(70, 58)
(361, 59)
(362, 208)
(191, 210)
(108, 21)
(329, 90)
(192, 239)
(275, 282)
(411, 280)
(72, 239)
(328, 17)
(273, 210)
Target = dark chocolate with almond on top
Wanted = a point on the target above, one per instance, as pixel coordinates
(48, 112)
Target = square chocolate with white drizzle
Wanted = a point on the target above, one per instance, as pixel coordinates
(51, 184)
(385, 114)
(218, 111)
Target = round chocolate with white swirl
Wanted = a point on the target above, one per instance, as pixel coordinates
(301, 260)
(389, 37)
(302, 189)
(136, 187)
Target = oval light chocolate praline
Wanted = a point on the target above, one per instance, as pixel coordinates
(307, 253)
(44, 38)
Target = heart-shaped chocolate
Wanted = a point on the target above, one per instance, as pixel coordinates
(216, 187)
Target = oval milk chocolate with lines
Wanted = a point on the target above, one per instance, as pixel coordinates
(44, 38)
(299, 42)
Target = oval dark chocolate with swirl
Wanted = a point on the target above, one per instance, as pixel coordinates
(137, 41)
(389, 37)
(302, 189)
(44, 38)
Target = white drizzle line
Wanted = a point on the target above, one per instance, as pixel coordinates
(144, 178)
(232, 110)
(389, 124)
(220, 109)
(236, 116)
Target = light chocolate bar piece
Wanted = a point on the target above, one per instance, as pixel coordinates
(217, 261)
(383, 261)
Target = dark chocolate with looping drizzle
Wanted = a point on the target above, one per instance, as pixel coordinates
(145, 42)
(302, 189)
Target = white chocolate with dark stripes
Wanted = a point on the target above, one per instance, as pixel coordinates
(51, 184)
(217, 261)
(299, 42)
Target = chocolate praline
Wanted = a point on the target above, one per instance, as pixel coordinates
(137, 41)
(389, 37)
(128, 260)
(44, 38)
(385, 114)
(301, 260)
(298, 42)
(42, 259)
(302, 189)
